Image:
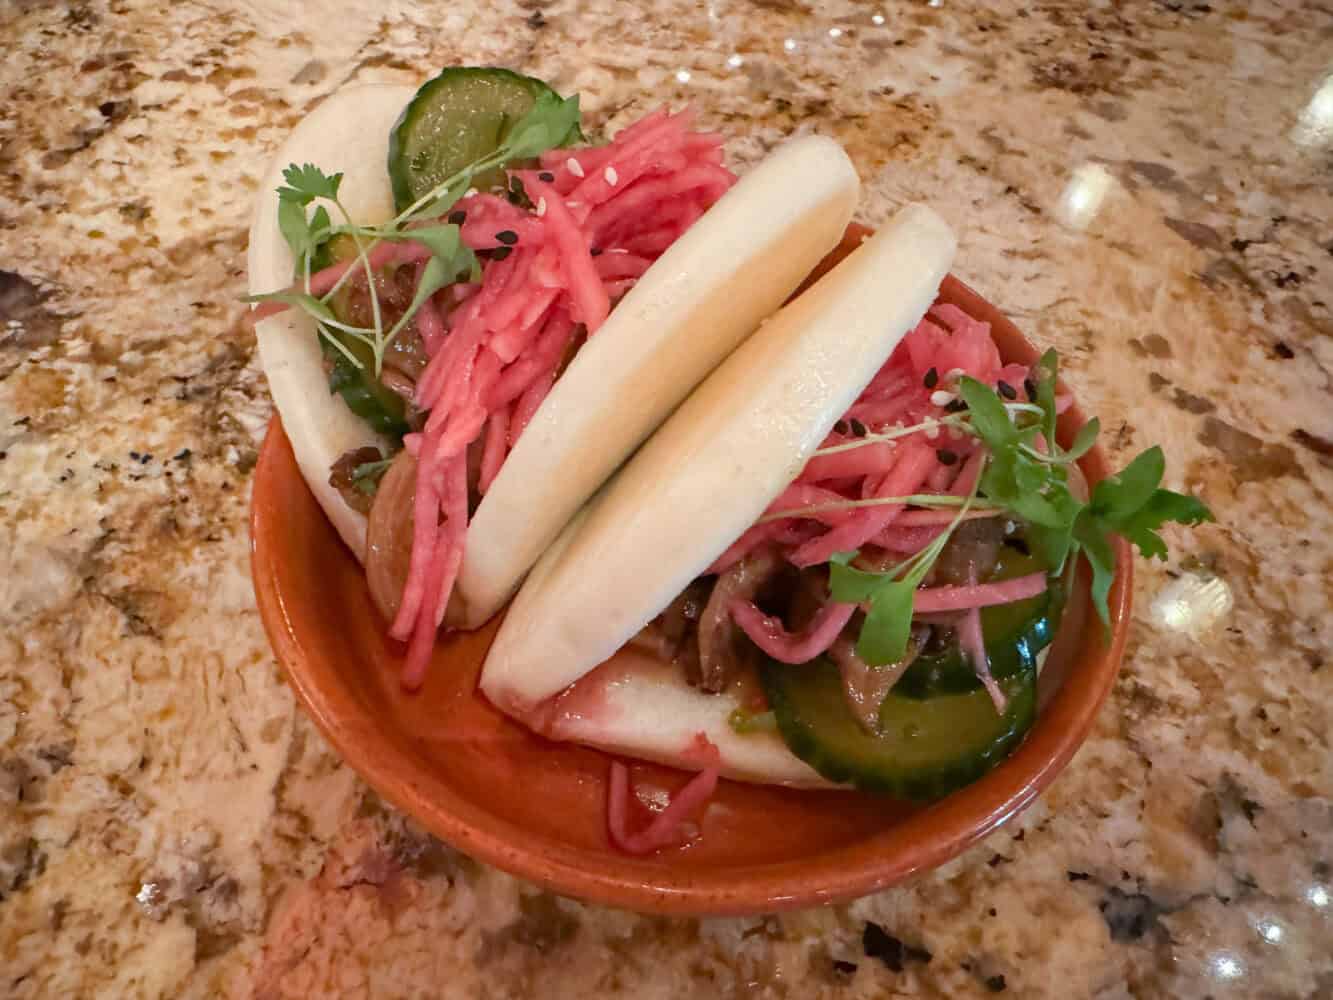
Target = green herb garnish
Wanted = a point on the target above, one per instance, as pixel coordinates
(549, 123)
(1031, 483)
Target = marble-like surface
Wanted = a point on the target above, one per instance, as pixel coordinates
(1145, 185)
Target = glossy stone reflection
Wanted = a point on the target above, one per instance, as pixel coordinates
(1193, 603)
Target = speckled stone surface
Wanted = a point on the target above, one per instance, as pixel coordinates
(1146, 186)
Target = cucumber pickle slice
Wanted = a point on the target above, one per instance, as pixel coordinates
(927, 747)
(456, 118)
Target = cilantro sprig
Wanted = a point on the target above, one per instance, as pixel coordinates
(1026, 474)
(551, 122)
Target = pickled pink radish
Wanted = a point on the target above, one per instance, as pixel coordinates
(667, 828)
(770, 635)
(973, 643)
(980, 595)
(915, 460)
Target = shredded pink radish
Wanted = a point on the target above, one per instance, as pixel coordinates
(915, 460)
(914, 387)
(973, 643)
(667, 828)
(495, 348)
(979, 595)
(771, 636)
(497, 441)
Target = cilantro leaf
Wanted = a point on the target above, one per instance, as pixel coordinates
(307, 182)
(1120, 495)
(1141, 526)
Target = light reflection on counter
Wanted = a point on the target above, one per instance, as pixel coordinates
(1192, 603)
(1315, 126)
(1317, 895)
(1225, 965)
(1082, 197)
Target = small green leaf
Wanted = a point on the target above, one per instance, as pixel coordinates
(1163, 506)
(1046, 374)
(848, 585)
(444, 241)
(1084, 439)
(307, 182)
(888, 624)
(294, 227)
(1119, 496)
(1096, 546)
(989, 417)
(547, 125)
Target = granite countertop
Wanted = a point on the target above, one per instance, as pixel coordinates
(1144, 185)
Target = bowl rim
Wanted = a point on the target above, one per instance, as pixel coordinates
(871, 864)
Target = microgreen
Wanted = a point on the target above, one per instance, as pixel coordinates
(552, 121)
(888, 596)
(1026, 474)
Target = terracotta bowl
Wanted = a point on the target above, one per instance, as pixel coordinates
(496, 791)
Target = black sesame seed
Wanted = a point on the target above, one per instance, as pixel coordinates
(956, 406)
(595, 252)
(932, 379)
(1030, 387)
(507, 236)
(841, 427)
(458, 217)
(500, 253)
(546, 176)
(858, 429)
(1006, 390)
(946, 456)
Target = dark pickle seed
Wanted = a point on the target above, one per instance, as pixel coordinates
(932, 379)
(1006, 390)
(507, 236)
(1030, 387)
(546, 176)
(458, 218)
(946, 456)
(500, 253)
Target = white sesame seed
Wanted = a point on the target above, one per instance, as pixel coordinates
(541, 207)
(932, 431)
(941, 398)
(574, 167)
(954, 374)
(611, 176)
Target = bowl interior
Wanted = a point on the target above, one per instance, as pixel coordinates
(508, 797)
